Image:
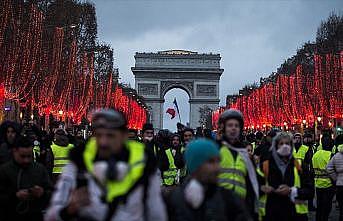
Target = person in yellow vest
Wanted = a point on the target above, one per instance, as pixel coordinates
(171, 177)
(324, 187)
(60, 148)
(237, 170)
(187, 137)
(300, 149)
(288, 186)
(261, 181)
(303, 150)
(108, 178)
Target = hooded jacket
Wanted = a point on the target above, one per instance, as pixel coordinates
(335, 167)
(219, 204)
(5, 147)
(279, 207)
(13, 178)
(131, 209)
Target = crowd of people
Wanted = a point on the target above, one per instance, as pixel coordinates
(120, 174)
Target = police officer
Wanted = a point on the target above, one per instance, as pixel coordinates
(125, 169)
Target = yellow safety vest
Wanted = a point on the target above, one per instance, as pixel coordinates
(319, 162)
(233, 172)
(183, 171)
(60, 157)
(169, 176)
(36, 153)
(301, 206)
(116, 188)
(253, 146)
(262, 200)
(300, 154)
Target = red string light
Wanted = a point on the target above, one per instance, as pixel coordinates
(297, 97)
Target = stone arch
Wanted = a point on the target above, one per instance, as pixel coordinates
(197, 74)
(166, 86)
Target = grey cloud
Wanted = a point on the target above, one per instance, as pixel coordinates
(253, 37)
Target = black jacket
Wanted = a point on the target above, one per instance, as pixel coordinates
(281, 208)
(14, 178)
(219, 205)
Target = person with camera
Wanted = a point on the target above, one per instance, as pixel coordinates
(108, 178)
(25, 186)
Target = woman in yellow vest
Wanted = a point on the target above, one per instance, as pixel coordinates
(288, 187)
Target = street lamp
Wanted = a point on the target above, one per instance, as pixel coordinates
(319, 119)
(60, 112)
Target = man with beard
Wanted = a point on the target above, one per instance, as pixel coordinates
(171, 177)
(237, 170)
(25, 186)
(187, 136)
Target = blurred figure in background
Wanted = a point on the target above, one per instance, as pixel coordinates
(9, 131)
(187, 136)
(325, 189)
(60, 148)
(335, 171)
(208, 134)
(263, 150)
(148, 137)
(199, 197)
(133, 134)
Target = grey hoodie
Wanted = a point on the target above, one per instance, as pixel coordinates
(335, 167)
(132, 210)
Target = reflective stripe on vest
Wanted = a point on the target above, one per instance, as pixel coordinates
(233, 172)
(300, 154)
(36, 153)
(262, 200)
(136, 168)
(169, 176)
(60, 156)
(183, 171)
(301, 206)
(319, 161)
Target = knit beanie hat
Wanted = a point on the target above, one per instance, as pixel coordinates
(198, 152)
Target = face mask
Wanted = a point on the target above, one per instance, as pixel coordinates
(284, 150)
(194, 193)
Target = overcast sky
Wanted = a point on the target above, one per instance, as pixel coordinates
(253, 37)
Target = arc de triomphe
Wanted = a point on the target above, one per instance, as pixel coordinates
(197, 74)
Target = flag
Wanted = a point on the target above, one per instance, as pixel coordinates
(177, 108)
(172, 112)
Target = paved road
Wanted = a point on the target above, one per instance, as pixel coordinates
(334, 216)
